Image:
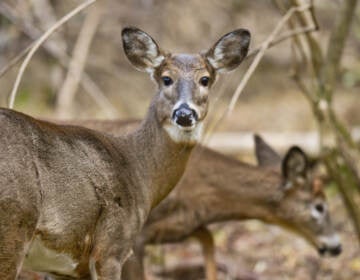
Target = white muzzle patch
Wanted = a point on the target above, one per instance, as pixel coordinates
(331, 241)
(185, 135)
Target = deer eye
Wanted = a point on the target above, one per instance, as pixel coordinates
(318, 211)
(204, 81)
(167, 80)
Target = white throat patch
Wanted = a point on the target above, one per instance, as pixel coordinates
(184, 136)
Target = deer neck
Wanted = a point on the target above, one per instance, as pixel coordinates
(159, 161)
(231, 190)
(256, 200)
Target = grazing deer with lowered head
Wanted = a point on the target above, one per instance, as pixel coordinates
(72, 200)
(217, 188)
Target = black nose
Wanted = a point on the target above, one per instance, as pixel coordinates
(322, 251)
(336, 250)
(184, 115)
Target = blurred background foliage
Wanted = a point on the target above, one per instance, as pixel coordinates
(178, 27)
(271, 102)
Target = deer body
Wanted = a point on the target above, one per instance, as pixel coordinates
(100, 180)
(72, 200)
(217, 188)
(244, 192)
(213, 182)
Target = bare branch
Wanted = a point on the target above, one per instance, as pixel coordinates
(291, 24)
(86, 82)
(77, 64)
(284, 37)
(341, 175)
(40, 42)
(44, 13)
(316, 58)
(16, 60)
(28, 29)
(259, 54)
(342, 162)
(303, 88)
(336, 46)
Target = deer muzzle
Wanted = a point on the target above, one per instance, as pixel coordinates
(184, 116)
(330, 246)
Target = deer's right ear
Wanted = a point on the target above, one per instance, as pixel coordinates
(295, 165)
(229, 51)
(142, 50)
(265, 155)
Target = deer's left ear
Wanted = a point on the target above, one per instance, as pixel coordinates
(229, 51)
(295, 164)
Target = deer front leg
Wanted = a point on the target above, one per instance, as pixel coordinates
(133, 268)
(17, 226)
(109, 267)
(112, 246)
(204, 236)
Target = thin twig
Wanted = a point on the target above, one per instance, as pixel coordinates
(275, 42)
(261, 53)
(215, 117)
(291, 25)
(336, 47)
(270, 41)
(29, 29)
(316, 55)
(342, 163)
(296, 76)
(39, 42)
(77, 64)
(16, 59)
(284, 37)
(87, 83)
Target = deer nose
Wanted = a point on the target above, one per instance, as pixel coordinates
(184, 115)
(335, 251)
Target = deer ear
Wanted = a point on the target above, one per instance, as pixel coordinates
(142, 50)
(295, 165)
(265, 155)
(229, 51)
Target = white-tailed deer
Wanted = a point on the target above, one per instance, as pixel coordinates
(233, 175)
(216, 188)
(72, 200)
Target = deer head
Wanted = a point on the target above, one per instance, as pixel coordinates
(184, 80)
(302, 206)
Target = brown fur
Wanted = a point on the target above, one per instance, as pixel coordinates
(216, 188)
(84, 194)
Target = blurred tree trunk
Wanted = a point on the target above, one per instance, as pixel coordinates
(343, 160)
